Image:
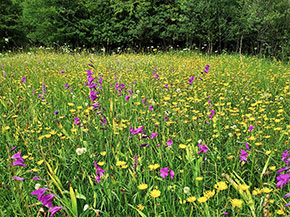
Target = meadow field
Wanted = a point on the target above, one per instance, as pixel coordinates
(160, 134)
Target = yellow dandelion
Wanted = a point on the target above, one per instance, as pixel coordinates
(221, 186)
(191, 199)
(103, 153)
(244, 187)
(155, 193)
(209, 194)
(142, 186)
(202, 199)
(154, 166)
(266, 190)
(182, 146)
(237, 203)
(140, 207)
(198, 178)
(120, 163)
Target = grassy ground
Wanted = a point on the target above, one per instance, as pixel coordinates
(216, 151)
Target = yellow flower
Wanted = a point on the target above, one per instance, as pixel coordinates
(266, 190)
(140, 207)
(230, 157)
(272, 168)
(209, 194)
(103, 153)
(191, 199)
(256, 191)
(199, 178)
(237, 203)
(102, 163)
(220, 186)
(142, 186)
(120, 163)
(155, 193)
(154, 166)
(244, 187)
(202, 199)
(281, 212)
(182, 146)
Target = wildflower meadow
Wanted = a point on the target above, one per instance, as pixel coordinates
(161, 134)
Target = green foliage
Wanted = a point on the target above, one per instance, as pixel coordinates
(244, 26)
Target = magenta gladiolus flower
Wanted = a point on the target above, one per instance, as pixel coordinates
(247, 146)
(23, 80)
(12, 149)
(282, 180)
(19, 163)
(244, 155)
(99, 173)
(127, 98)
(169, 143)
(153, 135)
(191, 80)
(164, 172)
(17, 156)
(172, 174)
(203, 149)
(77, 121)
(282, 170)
(136, 131)
(17, 178)
(144, 145)
(53, 210)
(151, 107)
(251, 128)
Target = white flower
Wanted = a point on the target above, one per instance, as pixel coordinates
(186, 190)
(37, 186)
(80, 151)
(6, 39)
(199, 141)
(178, 90)
(86, 207)
(137, 91)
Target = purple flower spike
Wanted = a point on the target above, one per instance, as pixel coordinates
(153, 135)
(12, 149)
(172, 174)
(169, 143)
(251, 128)
(244, 155)
(23, 80)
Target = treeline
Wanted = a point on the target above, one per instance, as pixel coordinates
(245, 26)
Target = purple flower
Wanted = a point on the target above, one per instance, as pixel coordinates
(53, 210)
(172, 174)
(151, 107)
(127, 98)
(17, 156)
(36, 178)
(282, 170)
(251, 128)
(135, 163)
(247, 146)
(104, 121)
(284, 157)
(282, 179)
(144, 145)
(286, 195)
(62, 71)
(99, 173)
(225, 213)
(288, 204)
(206, 69)
(191, 80)
(244, 155)
(12, 149)
(203, 149)
(169, 143)
(56, 112)
(19, 163)
(23, 80)
(17, 178)
(46, 200)
(164, 172)
(77, 121)
(153, 135)
(136, 131)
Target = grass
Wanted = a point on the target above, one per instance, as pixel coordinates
(214, 113)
